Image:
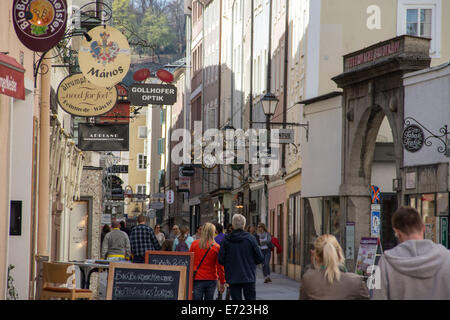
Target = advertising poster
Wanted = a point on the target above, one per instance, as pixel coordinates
(366, 255)
(350, 241)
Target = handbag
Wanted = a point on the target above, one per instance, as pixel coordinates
(198, 267)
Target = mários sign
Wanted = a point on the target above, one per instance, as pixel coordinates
(147, 93)
(79, 97)
(39, 24)
(105, 60)
(101, 137)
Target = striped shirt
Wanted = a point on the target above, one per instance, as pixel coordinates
(142, 239)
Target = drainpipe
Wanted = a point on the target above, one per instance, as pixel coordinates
(286, 61)
(44, 158)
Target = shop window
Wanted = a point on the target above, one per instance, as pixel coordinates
(312, 225)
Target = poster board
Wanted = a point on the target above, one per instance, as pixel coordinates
(130, 281)
(172, 258)
(367, 254)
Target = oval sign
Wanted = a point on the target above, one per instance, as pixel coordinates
(164, 75)
(79, 97)
(413, 138)
(141, 74)
(39, 24)
(105, 60)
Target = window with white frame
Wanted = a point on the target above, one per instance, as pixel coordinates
(141, 189)
(142, 132)
(421, 18)
(142, 161)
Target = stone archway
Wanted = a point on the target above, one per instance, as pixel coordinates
(372, 85)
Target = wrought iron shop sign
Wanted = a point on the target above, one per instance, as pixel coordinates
(105, 60)
(413, 138)
(39, 24)
(101, 137)
(142, 94)
(79, 97)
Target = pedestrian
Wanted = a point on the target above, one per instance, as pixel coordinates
(229, 228)
(198, 233)
(207, 269)
(167, 245)
(329, 279)
(416, 269)
(142, 239)
(239, 254)
(220, 235)
(116, 244)
(184, 240)
(265, 242)
(159, 234)
(252, 230)
(105, 230)
(124, 228)
(175, 232)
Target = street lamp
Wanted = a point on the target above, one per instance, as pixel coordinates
(269, 103)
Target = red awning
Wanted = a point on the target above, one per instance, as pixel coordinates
(12, 77)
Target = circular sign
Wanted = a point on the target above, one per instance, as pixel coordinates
(39, 24)
(141, 74)
(413, 138)
(79, 97)
(105, 60)
(164, 75)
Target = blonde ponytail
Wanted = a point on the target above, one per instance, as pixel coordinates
(331, 263)
(330, 256)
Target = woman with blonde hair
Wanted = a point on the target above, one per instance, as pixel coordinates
(329, 279)
(206, 264)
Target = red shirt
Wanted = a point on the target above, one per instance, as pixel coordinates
(210, 266)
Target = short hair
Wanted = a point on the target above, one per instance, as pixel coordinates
(407, 220)
(219, 227)
(141, 218)
(115, 224)
(238, 221)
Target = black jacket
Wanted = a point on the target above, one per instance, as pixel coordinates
(239, 254)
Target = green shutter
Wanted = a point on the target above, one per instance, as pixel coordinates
(162, 116)
(161, 146)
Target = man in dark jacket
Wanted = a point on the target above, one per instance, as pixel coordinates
(239, 254)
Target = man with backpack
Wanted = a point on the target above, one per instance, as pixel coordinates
(184, 240)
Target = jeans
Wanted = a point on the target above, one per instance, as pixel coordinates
(266, 264)
(248, 289)
(204, 289)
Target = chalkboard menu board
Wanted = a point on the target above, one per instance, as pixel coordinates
(170, 258)
(129, 281)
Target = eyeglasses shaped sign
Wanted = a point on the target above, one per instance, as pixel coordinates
(105, 59)
(39, 24)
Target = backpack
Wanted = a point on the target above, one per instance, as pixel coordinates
(182, 246)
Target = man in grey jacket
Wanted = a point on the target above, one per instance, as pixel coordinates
(416, 269)
(116, 244)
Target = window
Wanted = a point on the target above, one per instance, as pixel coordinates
(421, 18)
(161, 146)
(141, 189)
(142, 132)
(142, 161)
(294, 239)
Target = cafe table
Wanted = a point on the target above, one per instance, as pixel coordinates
(89, 266)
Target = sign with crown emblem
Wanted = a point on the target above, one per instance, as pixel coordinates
(39, 24)
(105, 60)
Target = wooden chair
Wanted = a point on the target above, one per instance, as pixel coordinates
(59, 282)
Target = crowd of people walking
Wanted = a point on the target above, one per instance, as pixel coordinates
(227, 262)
